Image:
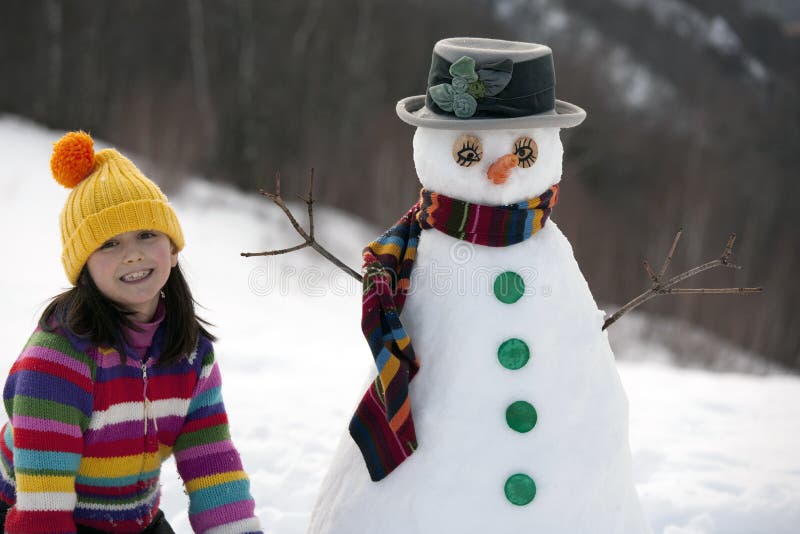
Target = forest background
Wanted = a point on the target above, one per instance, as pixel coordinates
(693, 113)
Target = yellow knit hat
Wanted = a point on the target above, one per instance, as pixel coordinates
(109, 196)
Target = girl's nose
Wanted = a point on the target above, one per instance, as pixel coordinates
(132, 254)
(500, 170)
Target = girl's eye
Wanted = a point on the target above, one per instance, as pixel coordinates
(467, 150)
(147, 234)
(526, 150)
(107, 245)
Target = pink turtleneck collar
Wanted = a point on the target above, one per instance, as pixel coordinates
(141, 341)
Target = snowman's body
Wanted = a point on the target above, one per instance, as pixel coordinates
(577, 453)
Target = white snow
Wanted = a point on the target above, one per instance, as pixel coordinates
(722, 37)
(713, 452)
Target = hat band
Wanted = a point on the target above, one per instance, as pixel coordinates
(94, 230)
(530, 91)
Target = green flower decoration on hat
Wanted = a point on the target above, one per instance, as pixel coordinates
(461, 95)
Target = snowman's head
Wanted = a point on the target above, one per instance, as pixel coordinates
(491, 167)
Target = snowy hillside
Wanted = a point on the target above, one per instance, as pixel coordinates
(639, 84)
(713, 453)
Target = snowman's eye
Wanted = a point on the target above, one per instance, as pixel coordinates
(526, 150)
(467, 150)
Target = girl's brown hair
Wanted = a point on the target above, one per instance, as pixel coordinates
(87, 313)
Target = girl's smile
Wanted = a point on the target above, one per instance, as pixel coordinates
(137, 276)
(131, 268)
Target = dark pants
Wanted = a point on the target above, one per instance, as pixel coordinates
(159, 524)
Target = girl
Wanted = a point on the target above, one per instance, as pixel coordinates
(119, 375)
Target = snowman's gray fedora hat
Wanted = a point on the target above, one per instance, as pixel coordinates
(488, 84)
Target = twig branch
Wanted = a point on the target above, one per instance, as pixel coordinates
(311, 205)
(668, 288)
(728, 248)
(669, 255)
(653, 276)
(308, 237)
(711, 291)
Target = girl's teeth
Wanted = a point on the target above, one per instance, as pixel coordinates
(132, 277)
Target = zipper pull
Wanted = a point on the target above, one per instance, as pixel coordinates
(144, 394)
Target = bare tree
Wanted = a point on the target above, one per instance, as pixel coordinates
(200, 74)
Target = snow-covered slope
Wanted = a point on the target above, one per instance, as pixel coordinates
(638, 85)
(713, 453)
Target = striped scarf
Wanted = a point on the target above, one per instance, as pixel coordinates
(382, 426)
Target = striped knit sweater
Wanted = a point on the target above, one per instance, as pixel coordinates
(87, 435)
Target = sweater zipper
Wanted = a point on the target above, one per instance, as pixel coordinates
(148, 407)
(144, 395)
(145, 409)
(148, 414)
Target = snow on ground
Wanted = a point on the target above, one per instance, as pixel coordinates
(713, 452)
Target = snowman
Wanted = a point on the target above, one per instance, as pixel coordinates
(497, 407)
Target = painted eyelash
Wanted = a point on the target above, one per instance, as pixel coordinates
(463, 160)
(530, 158)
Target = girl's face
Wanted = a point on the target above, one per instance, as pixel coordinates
(131, 268)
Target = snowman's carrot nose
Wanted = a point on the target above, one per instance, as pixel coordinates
(500, 169)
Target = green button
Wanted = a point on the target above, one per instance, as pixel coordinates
(520, 489)
(509, 287)
(513, 354)
(521, 416)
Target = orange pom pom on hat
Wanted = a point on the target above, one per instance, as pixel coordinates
(109, 196)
